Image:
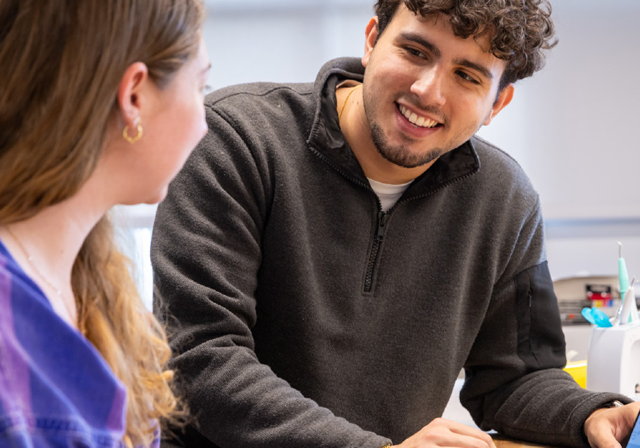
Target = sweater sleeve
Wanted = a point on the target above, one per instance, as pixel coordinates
(514, 378)
(206, 254)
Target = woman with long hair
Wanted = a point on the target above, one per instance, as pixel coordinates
(101, 103)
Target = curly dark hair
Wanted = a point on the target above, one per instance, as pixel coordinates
(521, 29)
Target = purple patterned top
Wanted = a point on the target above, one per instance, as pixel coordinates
(56, 390)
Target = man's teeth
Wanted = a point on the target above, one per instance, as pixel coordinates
(415, 119)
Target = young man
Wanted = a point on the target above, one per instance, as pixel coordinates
(333, 254)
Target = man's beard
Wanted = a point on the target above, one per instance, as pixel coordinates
(400, 155)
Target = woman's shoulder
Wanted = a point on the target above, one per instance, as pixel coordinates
(53, 383)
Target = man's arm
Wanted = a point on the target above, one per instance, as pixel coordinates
(206, 254)
(514, 383)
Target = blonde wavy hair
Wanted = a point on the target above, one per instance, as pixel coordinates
(62, 62)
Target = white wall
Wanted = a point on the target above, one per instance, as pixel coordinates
(281, 41)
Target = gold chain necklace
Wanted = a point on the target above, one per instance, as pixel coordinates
(346, 100)
(58, 291)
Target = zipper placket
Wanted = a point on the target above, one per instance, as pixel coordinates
(375, 250)
(383, 217)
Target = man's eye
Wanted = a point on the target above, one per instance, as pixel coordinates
(416, 53)
(466, 77)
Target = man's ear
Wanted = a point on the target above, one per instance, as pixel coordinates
(504, 98)
(130, 91)
(371, 33)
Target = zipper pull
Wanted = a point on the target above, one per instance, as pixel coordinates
(382, 220)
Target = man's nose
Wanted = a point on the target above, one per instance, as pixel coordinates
(429, 87)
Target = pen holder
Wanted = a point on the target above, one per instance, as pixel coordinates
(613, 361)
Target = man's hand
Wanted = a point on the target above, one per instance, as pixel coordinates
(606, 428)
(441, 433)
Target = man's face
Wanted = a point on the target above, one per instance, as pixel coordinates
(427, 91)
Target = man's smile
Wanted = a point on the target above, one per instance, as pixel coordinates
(416, 119)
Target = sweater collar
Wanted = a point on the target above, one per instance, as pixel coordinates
(328, 142)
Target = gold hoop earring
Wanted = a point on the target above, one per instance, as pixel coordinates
(138, 136)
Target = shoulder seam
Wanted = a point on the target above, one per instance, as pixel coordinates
(231, 95)
(234, 127)
(496, 148)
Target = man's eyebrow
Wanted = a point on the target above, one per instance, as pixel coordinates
(414, 37)
(475, 66)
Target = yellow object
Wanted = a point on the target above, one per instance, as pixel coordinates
(578, 370)
(138, 136)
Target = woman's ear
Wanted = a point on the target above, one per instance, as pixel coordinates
(131, 92)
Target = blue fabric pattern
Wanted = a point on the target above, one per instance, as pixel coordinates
(56, 390)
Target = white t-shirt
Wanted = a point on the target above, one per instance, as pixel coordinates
(388, 193)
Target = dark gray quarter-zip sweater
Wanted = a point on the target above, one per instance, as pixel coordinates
(303, 317)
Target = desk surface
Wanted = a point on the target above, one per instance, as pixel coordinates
(503, 442)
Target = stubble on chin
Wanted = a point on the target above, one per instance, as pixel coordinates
(399, 155)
